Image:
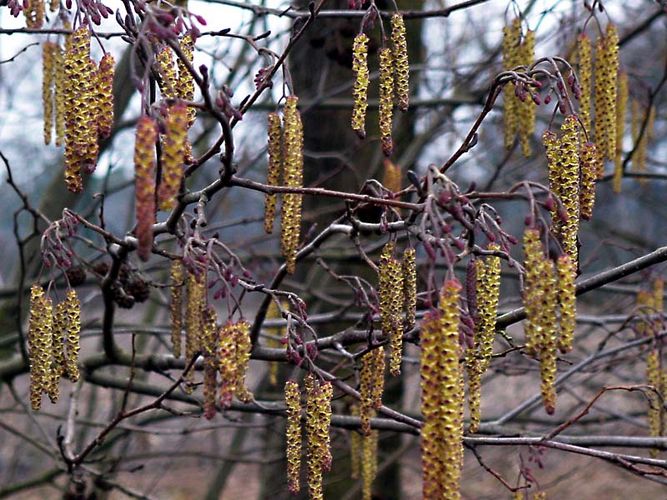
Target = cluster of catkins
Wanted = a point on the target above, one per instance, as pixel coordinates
(226, 349)
(398, 295)
(318, 446)
(53, 343)
(478, 358)
(394, 85)
(650, 302)
(286, 163)
(442, 397)
(519, 110)
(550, 303)
(78, 101)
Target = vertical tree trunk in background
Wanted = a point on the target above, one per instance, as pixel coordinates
(320, 63)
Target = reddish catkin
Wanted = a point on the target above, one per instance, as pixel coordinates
(584, 53)
(361, 81)
(399, 47)
(386, 99)
(511, 59)
(176, 306)
(591, 163)
(173, 155)
(49, 55)
(567, 302)
(274, 169)
(144, 184)
(105, 95)
(606, 74)
(293, 177)
(621, 109)
(293, 435)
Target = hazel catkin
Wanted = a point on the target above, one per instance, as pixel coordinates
(371, 386)
(386, 100)
(590, 165)
(361, 82)
(144, 184)
(402, 66)
(275, 149)
(176, 305)
(293, 435)
(606, 74)
(105, 95)
(49, 61)
(584, 53)
(173, 155)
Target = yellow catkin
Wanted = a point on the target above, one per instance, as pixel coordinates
(73, 335)
(621, 107)
(40, 339)
(361, 81)
(511, 59)
(590, 165)
(49, 55)
(402, 66)
(167, 71)
(318, 420)
(196, 301)
(386, 99)
(274, 169)
(293, 435)
(78, 106)
(144, 184)
(60, 94)
(533, 256)
(227, 363)
(584, 53)
(276, 334)
(59, 339)
(173, 155)
(105, 95)
(391, 304)
(442, 397)
(641, 143)
(547, 322)
(409, 287)
(655, 410)
(369, 460)
(567, 302)
(243, 350)
(185, 83)
(293, 178)
(371, 386)
(479, 357)
(526, 109)
(606, 75)
(392, 176)
(176, 306)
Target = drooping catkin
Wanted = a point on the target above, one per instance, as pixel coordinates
(591, 163)
(242, 350)
(73, 335)
(641, 137)
(209, 344)
(361, 81)
(194, 309)
(60, 95)
(442, 397)
(185, 83)
(49, 61)
(355, 447)
(293, 435)
(402, 66)
(293, 177)
(479, 357)
(318, 420)
(391, 304)
(371, 386)
(40, 340)
(105, 95)
(409, 287)
(533, 255)
(567, 302)
(144, 184)
(275, 149)
(369, 461)
(621, 108)
(227, 363)
(656, 412)
(34, 11)
(511, 59)
(386, 99)
(276, 335)
(59, 339)
(392, 176)
(173, 155)
(584, 54)
(167, 71)
(176, 306)
(606, 75)
(526, 108)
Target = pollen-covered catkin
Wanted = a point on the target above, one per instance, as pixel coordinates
(173, 155)
(243, 349)
(167, 71)
(391, 304)
(49, 55)
(361, 81)
(60, 95)
(584, 53)
(386, 99)
(606, 74)
(196, 301)
(621, 108)
(371, 386)
(293, 435)
(567, 301)
(533, 256)
(176, 306)
(655, 410)
(274, 169)
(511, 59)
(40, 340)
(526, 108)
(105, 95)
(409, 287)
(73, 335)
(591, 163)
(59, 339)
(209, 341)
(227, 363)
(144, 184)
(293, 177)
(402, 66)
(569, 188)
(442, 397)
(369, 460)
(185, 84)
(318, 420)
